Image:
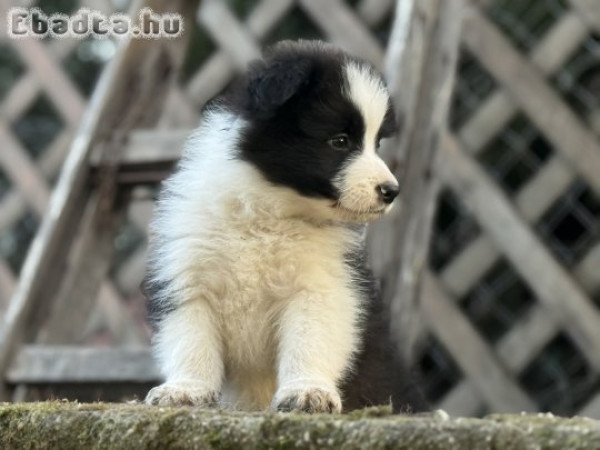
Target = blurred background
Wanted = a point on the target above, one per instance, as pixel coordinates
(559, 40)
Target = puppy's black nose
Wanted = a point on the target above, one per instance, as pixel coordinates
(388, 192)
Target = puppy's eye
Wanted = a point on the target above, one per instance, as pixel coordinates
(340, 142)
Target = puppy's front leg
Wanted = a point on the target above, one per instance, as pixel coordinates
(317, 339)
(189, 352)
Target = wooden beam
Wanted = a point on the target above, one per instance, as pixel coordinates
(86, 267)
(64, 364)
(150, 147)
(420, 70)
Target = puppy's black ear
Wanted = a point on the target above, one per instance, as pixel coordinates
(271, 84)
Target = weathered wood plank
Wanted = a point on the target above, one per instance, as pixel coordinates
(7, 286)
(68, 364)
(420, 71)
(86, 267)
(147, 147)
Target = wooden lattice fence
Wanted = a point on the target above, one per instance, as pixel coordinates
(509, 316)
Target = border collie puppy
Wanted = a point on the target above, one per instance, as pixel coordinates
(257, 281)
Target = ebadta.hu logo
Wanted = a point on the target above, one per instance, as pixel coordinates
(33, 22)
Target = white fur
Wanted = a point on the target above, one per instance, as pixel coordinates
(368, 93)
(359, 180)
(265, 308)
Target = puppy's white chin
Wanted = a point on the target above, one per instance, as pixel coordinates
(362, 216)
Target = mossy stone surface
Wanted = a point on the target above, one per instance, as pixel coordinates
(66, 425)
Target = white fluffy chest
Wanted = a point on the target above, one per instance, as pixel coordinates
(247, 270)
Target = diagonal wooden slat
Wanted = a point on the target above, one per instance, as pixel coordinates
(22, 172)
(341, 25)
(475, 357)
(27, 88)
(214, 75)
(524, 341)
(550, 53)
(541, 191)
(589, 10)
(56, 84)
(229, 33)
(7, 285)
(373, 12)
(532, 201)
(544, 188)
(14, 204)
(552, 284)
(528, 88)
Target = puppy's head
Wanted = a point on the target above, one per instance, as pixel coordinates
(316, 117)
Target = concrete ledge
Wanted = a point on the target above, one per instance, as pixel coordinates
(67, 425)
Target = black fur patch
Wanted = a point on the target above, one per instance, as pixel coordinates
(157, 305)
(379, 376)
(295, 104)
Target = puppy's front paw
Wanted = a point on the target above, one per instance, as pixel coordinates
(187, 393)
(310, 400)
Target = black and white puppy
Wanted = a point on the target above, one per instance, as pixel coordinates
(257, 281)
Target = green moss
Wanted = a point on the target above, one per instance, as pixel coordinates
(67, 425)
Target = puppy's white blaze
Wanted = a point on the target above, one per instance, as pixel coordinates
(368, 93)
(360, 178)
